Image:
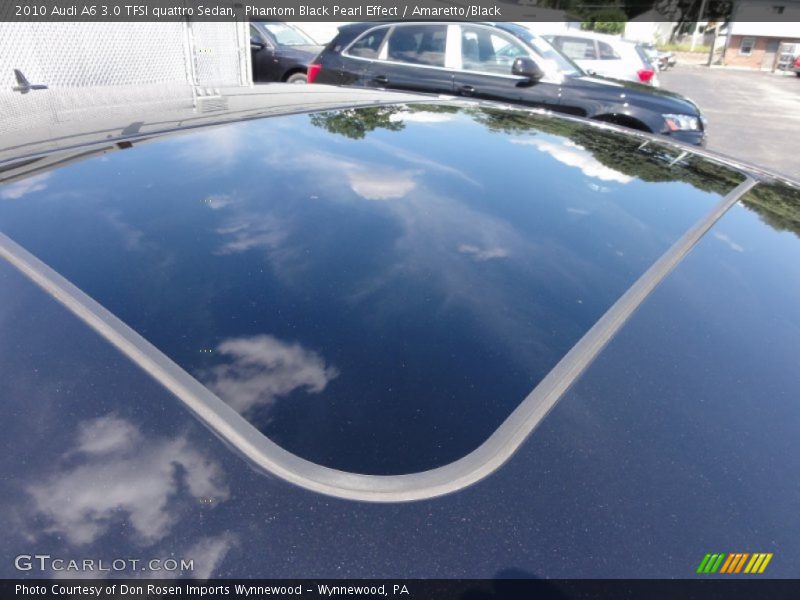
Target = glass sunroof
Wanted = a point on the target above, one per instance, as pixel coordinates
(374, 289)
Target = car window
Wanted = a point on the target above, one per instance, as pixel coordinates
(549, 58)
(747, 45)
(418, 44)
(606, 52)
(255, 35)
(368, 45)
(647, 49)
(646, 58)
(286, 35)
(488, 51)
(576, 48)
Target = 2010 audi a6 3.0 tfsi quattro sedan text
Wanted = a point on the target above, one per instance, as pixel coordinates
(420, 339)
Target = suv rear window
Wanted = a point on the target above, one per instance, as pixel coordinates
(576, 48)
(606, 51)
(644, 56)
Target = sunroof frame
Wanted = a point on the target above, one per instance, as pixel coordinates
(269, 456)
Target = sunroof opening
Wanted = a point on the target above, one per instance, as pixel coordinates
(374, 289)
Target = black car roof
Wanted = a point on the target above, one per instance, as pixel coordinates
(668, 445)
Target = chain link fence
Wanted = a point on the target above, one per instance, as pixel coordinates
(115, 66)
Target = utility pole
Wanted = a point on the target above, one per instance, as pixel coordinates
(713, 43)
(729, 28)
(697, 24)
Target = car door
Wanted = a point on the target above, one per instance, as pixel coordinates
(484, 72)
(266, 66)
(413, 59)
(353, 62)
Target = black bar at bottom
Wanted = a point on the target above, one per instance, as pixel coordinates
(399, 589)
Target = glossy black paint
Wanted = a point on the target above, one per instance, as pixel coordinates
(273, 61)
(623, 102)
(681, 439)
(376, 288)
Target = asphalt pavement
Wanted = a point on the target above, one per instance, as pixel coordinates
(753, 116)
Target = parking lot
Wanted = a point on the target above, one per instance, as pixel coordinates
(751, 115)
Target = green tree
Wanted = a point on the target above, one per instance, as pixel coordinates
(355, 123)
(606, 20)
(644, 159)
(777, 204)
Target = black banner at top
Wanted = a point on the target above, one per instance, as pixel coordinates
(389, 10)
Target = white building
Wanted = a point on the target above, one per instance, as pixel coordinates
(757, 43)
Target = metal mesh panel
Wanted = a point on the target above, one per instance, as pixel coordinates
(94, 54)
(113, 66)
(217, 53)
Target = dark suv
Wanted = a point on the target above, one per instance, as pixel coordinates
(499, 61)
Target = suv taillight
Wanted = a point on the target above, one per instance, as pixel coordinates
(645, 75)
(313, 71)
(797, 62)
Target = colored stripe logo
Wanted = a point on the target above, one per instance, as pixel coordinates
(735, 562)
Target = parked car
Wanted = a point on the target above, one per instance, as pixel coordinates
(666, 59)
(501, 62)
(661, 59)
(607, 55)
(786, 55)
(437, 339)
(280, 52)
